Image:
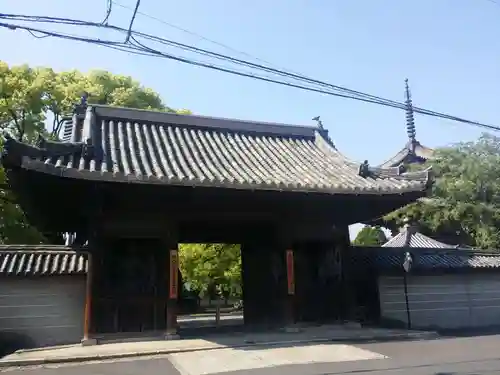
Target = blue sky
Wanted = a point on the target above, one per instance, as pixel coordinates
(449, 50)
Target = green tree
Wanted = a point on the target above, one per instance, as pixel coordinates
(102, 87)
(14, 228)
(464, 206)
(370, 236)
(212, 267)
(24, 99)
(33, 101)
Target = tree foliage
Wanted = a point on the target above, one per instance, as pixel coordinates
(212, 267)
(370, 236)
(464, 206)
(14, 228)
(24, 99)
(33, 101)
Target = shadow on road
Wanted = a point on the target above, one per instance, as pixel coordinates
(470, 332)
(11, 342)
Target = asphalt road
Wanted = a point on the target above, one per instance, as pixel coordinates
(451, 356)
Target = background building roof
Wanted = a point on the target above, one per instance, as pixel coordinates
(430, 259)
(409, 237)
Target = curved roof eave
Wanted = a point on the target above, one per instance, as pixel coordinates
(196, 151)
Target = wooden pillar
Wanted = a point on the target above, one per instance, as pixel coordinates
(348, 298)
(263, 274)
(87, 317)
(256, 286)
(173, 293)
(290, 283)
(285, 239)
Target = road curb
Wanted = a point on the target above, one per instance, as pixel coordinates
(32, 350)
(103, 357)
(98, 357)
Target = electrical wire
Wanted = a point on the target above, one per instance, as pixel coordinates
(358, 94)
(185, 47)
(201, 37)
(393, 104)
(146, 51)
(347, 93)
(108, 12)
(194, 49)
(37, 36)
(203, 52)
(353, 94)
(223, 57)
(129, 32)
(47, 19)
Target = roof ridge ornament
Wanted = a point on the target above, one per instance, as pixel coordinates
(81, 108)
(364, 169)
(319, 122)
(323, 132)
(401, 168)
(14, 150)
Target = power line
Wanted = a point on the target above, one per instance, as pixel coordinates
(202, 52)
(138, 2)
(185, 47)
(375, 100)
(146, 51)
(210, 53)
(108, 12)
(352, 94)
(139, 48)
(199, 36)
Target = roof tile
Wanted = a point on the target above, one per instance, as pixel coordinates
(38, 260)
(412, 239)
(424, 259)
(151, 147)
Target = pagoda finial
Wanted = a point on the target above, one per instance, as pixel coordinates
(410, 119)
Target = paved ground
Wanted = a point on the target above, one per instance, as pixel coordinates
(451, 356)
(223, 343)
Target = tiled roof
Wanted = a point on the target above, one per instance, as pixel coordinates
(41, 260)
(425, 259)
(409, 153)
(409, 238)
(137, 146)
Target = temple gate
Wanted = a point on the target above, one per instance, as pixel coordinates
(132, 185)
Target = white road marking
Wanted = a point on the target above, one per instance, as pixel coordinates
(225, 360)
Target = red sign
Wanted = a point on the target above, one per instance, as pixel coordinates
(174, 274)
(290, 272)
